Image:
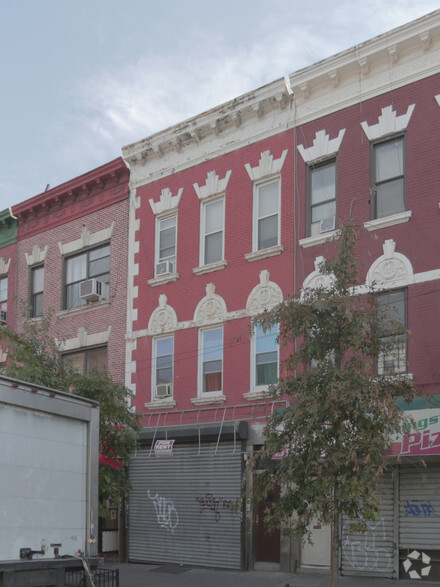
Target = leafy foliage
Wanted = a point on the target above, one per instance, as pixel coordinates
(33, 356)
(337, 428)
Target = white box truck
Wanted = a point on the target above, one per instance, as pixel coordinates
(48, 482)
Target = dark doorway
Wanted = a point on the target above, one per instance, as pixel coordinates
(267, 545)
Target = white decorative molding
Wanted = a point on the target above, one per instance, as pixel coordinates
(391, 269)
(213, 186)
(163, 319)
(388, 123)
(3, 356)
(38, 255)
(211, 309)
(386, 221)
(438, 99)
(87, 239)
(84, 339)
(4, 265)
(267, 166)
(316, 279)
(322, 146)
(265, 295)
(167, 202)
(426, 40)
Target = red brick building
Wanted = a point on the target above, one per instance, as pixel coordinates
(232, 212)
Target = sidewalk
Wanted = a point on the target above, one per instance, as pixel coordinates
(140, 575)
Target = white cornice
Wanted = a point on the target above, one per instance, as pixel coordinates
(394, 59)
(253, 116)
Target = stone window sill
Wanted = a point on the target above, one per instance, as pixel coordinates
(87, 308)
(318, 239)
(388, 221)
(264, 253)
(157, 403)
(210, 268)
(168, 278)
(209, 399)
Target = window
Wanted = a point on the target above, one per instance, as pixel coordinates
(94, 263)
(322, 194)
(265, 356)
(163, 360)
(388, 194)
(36, 293)
(211, 360)
(166, 232)
(212, 231)
(392, 358)
(88, 361)
(3, 299)
(267, 217)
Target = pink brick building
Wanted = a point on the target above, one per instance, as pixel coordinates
(72, 259)
(231, 212)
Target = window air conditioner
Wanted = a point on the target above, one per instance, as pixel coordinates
(328, 224)
(92, 290)
(164, 390)
(164, 267)
(2, 316)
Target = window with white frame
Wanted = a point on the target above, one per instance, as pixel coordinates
(212, 231)
(92, 264)
(388, 167)
(211, 360)
(166, 243)
(322, 198)
(266, 215)
(392, 357)
(3, 298)
(36, 291)
(265, 356)
(163, 364)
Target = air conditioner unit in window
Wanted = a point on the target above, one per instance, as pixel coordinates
(2, 317)
(92, 290)
(164, 267)
(164, 390)
(328, 224)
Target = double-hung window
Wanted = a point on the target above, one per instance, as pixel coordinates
(89, 360)
(211, 360)
(3, 299)
(265, 358)
(94, 263)
(388, 193)
(392, 357)
(163, 361)
(267, 215)
(212, 231)
(166, 243)
(322, 198)
(37, 291)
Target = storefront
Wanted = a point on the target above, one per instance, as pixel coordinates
(404, 541)
(186, 501)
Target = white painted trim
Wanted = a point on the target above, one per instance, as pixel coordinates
(87, 239)
(264, 253)
(167, 202)
(202, 269)
(163, 319)
(4, 265)
(211, 309)
(209, 399)
(214, 186)
(267, 166)
(202, 234)
(84, 340)
(322, 146)
(388, 123)
(38, 255)
(155, 400)
(265, 295)
(205, 396)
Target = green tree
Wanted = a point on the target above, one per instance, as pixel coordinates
(336, 430)
(33, 356)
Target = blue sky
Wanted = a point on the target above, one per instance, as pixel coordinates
(81, 79)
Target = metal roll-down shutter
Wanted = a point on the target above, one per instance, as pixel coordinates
(185, 508)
